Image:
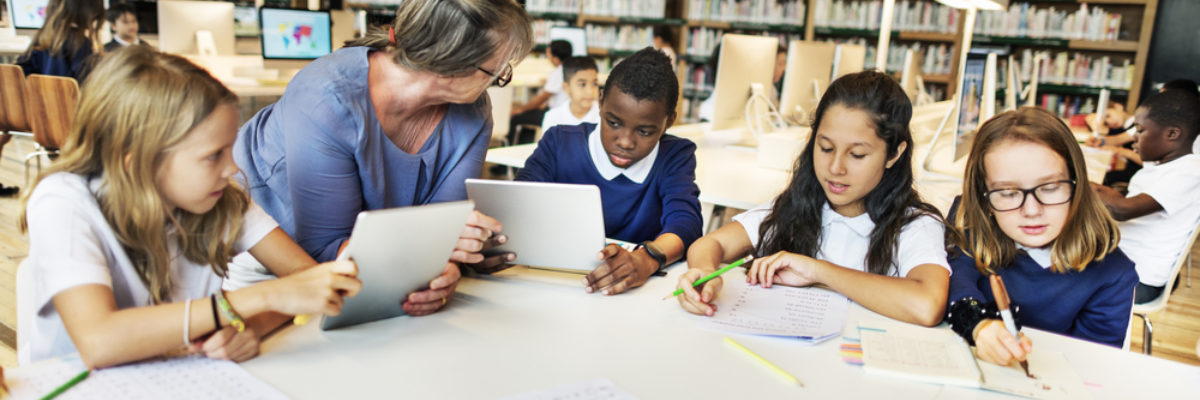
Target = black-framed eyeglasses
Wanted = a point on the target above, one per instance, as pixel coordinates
(503, 78)
(1048, 194)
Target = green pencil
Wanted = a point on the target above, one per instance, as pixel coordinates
(706, 278)
(78, 378)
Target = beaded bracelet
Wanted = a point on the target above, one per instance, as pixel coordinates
(234, 318)
(966, 313)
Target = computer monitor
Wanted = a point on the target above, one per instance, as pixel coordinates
(245, 21)
(27, 14)
(180, 20)
(577, 37)
(289, 34)
(848, 59)
(744, 61)
(909, 73)
(970, 97)
(809, 67)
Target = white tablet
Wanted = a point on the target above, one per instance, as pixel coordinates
(398, 251)
(549, 225)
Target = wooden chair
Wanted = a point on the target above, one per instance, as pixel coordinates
(13, 117)
(52, 102)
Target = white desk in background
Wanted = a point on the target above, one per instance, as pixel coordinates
(525, 330)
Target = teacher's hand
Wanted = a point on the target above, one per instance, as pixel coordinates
(440, 290)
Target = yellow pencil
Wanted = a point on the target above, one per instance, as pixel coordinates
(764, 361)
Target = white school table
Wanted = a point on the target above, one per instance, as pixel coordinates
(524, 330)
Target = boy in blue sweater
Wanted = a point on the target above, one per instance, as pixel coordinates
(647, 179)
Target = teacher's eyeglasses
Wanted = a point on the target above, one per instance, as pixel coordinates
(1048, 194)
(504, 77)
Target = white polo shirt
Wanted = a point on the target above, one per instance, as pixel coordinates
(554, 86)
(845, 240)
(71, 244)
(1154, 241)
(562, 115)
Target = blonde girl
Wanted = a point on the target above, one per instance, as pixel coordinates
(130, 232)
(1028, 215)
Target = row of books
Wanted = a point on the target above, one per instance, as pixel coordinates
(1066, 106)
(541, 30)
(615, 8)
(619, 37)
(1065, 68)
(937, 57)
(908, 15)
(701, 41)
(553, 6)
(752, 11)
(626, 8)
(1025, 20)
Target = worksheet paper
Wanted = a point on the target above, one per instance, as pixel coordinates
(595, 389)
(183, 378)
(938, 355)
(810, 314)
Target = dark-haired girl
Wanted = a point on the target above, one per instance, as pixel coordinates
(849, 219)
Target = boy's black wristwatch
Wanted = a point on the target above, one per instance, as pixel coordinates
(654, 253)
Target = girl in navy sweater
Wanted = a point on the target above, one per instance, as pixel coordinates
(1028, 214)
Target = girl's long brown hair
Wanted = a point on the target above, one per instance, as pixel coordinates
(1090, 232)
(137, 106)
(70, 25)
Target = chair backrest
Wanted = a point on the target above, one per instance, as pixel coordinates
(13, 116)
(52, 102)
(1161, 302)
(501, 109)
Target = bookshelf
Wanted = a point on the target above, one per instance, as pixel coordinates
(1113, 36)
(922, 24)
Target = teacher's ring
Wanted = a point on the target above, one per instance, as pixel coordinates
(443, 301)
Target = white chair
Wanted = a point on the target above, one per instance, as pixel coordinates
(501, 98)
(1145, 309)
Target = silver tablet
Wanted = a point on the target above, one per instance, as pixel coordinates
(549, 225)
(398, 251)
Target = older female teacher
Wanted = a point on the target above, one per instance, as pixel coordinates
(396, 118)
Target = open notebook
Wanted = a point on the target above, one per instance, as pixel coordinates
(809, 314)
(938, 355)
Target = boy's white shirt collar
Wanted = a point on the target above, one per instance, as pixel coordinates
(124, 43)
(638, 172)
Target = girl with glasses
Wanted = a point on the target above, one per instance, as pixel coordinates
(1028, 215)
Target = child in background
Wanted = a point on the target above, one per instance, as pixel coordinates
(532, 113)
(849, 219)
(1028, 215)
(647, 178)
(131, 230)
(1116, 136)
(122, 18)
(67, 40)
(581, 85)
(664, 41)
(1161, 209)
(63, 47)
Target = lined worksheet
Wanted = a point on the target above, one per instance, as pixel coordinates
(595, 389)
(810, 314)
(183, 378)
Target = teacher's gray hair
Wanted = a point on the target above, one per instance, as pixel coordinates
(450, 37)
